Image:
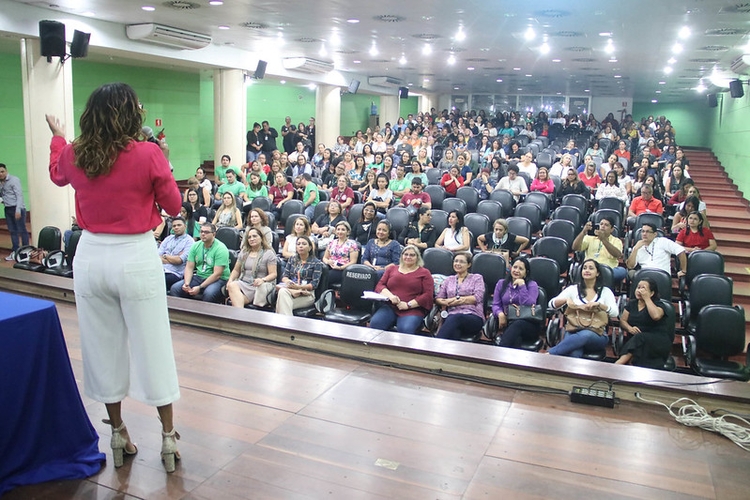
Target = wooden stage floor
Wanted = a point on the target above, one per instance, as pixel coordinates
(265, 421)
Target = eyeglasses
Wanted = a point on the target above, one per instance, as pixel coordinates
(205, 231)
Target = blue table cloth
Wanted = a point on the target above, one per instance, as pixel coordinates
(45, 433)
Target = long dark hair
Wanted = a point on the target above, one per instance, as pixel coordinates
(598, 285)
(696, 206)
(508, 280)
(189, 220)
(700, 218)
(653, 286)
(111, 120)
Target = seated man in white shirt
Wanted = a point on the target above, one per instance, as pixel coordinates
(513, 183)
(173, 252)
(655, 252)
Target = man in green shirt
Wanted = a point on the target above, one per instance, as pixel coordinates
(311, 195)
(400, 185)
(220, 173)
(231, 186)
(207, 268)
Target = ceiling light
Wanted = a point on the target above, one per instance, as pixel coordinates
(684, 32)
(610, 47)
(677, 48)
(215, 2)
(672, 60)
(586, 90)
(456, 88)
(427, 49)
(605, 33)
(499, 80)
(373, 50)
(544, 49)
(335, 40)
(662, 83)
(148, 8)
(356, 61)
(654, 101)
(700, 88)
(426, 80)
(311, 86)
(352, 21)
(470, 68)
(528, 76)
(519, 88)
(89, 14)
(402, 60)
(282, 82)
(322, 52)
(451, 59)
(460, 35)
(720, 78)
(529, 34)
(667, 70)
(516, 69)
(657, 92)
(618, 76)
(613, 59)
(223, 27)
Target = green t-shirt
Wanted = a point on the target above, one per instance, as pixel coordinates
(311, 186)
(262, 175)
(235, 188)
(251, 194)
(422, 176)
(206, 258)
(399, 185)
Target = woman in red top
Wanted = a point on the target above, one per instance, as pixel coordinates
(695, 236)
(590, 178)
(542, 182)
(622, 151)
(120, 294)
(409, 289)
(451, 181)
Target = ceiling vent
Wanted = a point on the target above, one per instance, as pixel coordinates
(307, 65)
(384, 81)
(166, 35)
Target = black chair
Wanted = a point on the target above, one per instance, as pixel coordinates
(289, 224)
(540, 199)
(663, 282)
(612, 204)
(230, 236)
(554, 248)
(597, 216)
(535, 345)
(355, 212)
(320, 209)
(50, 240)
(533, 213)
(289, 208)
(506, 199)
(399, 218)
(546, 273)
(438, 261)
(470, 196)
(477, 224)
(491, 208)
(707, 289)
(61, 263)
(544, 159)
(520, 226)
(356, 280)
(719, 333)
(619, 338)
(560, 228)
(261, 202)
(569, 213)
(454, 204)
(650, 218)
(323, 194)
(700, 262)
(578, 201)
(433, 176)
(312, 311)
(439, 220)
(492, 268)
(437, 195)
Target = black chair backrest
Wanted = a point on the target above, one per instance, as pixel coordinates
(320, 209)
(506, 199)
(578, 201)
(272, 222)
(569, 213)
(355, 212)
(433, 176)
(492, 268)
(546, 273)
(275, 241)
(612, 204)
(554, 248)
(230, 237)
(292, 207)
(703, 262)
(709, 289)
(544, 159)
(323, 194)
(540, 199)
(49, 239)
(70, 249)
(438, 261)
(399, 218)
(532, 212)
(608, 212)
(491, 208)
(662, 278)
(720, 330)
(457, 204)
(437, 195)
(470, 197)
(561, 228)
(520, 226)
(439, 220)
(477, 224)
(290, 223)
(651, 218)
(261, 202)
(357, 279)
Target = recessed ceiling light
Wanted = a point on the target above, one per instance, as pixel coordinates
(662, 83)
(88, 14)
(499, 80)
(529, 34)
(460, 35)
(282, 82)
(658, 92)
(516, 69)
(402, 60)
(677, 48)
(451, 59)
(544, 49)
(672, 60)
(618, 76)
(667, 69)
(352, 21)
(612, 59)
(426, 80)
(684, 32)
(223, 27)
(335, 39)
(586, 90)
(470, 68)
(215, 2)
(519, 88)
(654, 101)
(373, 50)
(528, 76)
(357, 61)
(556, 60)
(427, 49)
(148, 8)
(456, 88)
(605, 33)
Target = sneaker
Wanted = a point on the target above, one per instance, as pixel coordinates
(12, 256)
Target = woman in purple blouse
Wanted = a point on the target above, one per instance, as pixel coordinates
(462, 295)
(517, 289)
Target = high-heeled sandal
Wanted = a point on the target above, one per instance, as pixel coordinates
(169, 453)
(119, 444)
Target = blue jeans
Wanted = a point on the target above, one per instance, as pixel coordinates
(212, 293)
(574, 344)
(385, 317)
(16, 227)
(457, 326)
(310, 212)
(251, 156)
(619, 274)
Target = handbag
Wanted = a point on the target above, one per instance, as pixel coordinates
(532, 313)
(577, 319)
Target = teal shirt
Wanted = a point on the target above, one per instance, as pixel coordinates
(399, 185)
(306, 195)
(235, 188)
(206, 258)
(422, 176)
(251, 195)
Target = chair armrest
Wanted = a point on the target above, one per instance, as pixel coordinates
(326, 303)
(691, 350)
(490, 327)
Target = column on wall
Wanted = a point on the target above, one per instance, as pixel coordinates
(47, 89)
(230, 115)
(327, 114)
(427, 101)
(389, 109)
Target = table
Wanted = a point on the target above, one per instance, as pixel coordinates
(45, 433)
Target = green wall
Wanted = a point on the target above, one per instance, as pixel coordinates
(272, 101)
(169, 95)
(206, 121)
(690, 119)
(355, 112)
(12, 133)
(409, 105)
(729, 138)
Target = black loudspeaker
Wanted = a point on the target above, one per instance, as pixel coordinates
(52, 38)
(712, 100)
(260, 70)
(403, 92)
(735, 89)
(80, 45)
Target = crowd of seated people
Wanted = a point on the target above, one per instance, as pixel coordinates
(417, 165)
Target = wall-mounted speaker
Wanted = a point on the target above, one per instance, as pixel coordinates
(403, 92)
(79, 47)
(735, 89)
(712, 100)
(260, 70)
(52, 39)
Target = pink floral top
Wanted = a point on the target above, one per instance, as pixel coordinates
(339, 252)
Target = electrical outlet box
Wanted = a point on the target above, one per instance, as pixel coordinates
(595, 397)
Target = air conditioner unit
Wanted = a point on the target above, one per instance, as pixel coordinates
(307, 65)
(384, 81)
(741, 65)
(167, 35)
